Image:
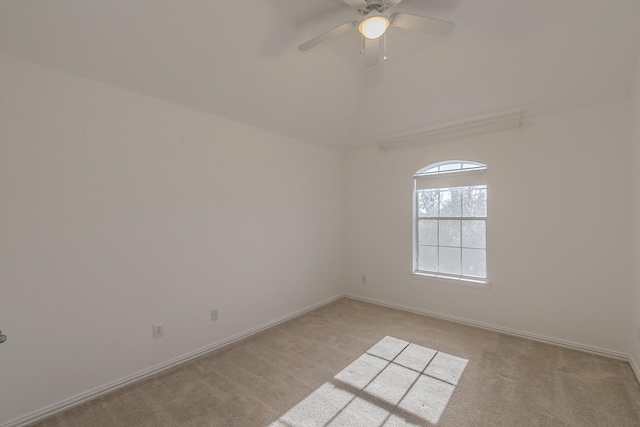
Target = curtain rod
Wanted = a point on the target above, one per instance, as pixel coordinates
(450, 131)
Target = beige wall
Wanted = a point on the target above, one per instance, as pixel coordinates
(558, 228)
(119, 211)
(635, 255)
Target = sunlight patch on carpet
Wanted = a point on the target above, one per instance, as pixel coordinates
(394, 384)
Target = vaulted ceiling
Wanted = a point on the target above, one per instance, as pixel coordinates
(238, 59)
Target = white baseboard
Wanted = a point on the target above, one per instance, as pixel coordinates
(508, 331)
(99, 391)
(635, 367)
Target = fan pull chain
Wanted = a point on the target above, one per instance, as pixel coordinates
(384, 46)
(362, 45)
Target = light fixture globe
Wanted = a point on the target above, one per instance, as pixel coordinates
(373, 26)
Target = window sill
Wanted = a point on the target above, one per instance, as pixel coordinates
(446, 280)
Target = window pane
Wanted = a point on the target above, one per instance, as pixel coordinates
(450, 167)
(428, 232)
(451, 202)
(449, 233)
(472, 166)
(449, 260)
(427, 203)
(474, 234)
(451, 212)
(428, 258)
(474, 201)
(431, 170)
(474, 262)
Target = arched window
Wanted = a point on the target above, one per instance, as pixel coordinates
(450, 220)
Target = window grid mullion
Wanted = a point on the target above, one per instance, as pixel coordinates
(438, 228)
(461, 213)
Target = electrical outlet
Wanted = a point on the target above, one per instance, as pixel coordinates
(158, 330)
(214, 314)
(364, 279)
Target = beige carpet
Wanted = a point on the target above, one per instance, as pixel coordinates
(395, 383)
(357, 364)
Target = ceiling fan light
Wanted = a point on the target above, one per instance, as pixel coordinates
(373, 27)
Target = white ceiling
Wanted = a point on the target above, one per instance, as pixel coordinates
(238, 59)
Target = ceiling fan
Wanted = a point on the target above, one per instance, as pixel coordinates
(374, 24)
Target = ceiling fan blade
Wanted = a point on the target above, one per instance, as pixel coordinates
(371, 52)
(392, 3)
(434, 26)
(355, 3)
(326, 36)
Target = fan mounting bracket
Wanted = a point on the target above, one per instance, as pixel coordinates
(378, 6)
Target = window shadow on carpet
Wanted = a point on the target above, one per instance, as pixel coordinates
(395, 383)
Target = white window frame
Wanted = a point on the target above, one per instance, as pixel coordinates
(443, 176)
